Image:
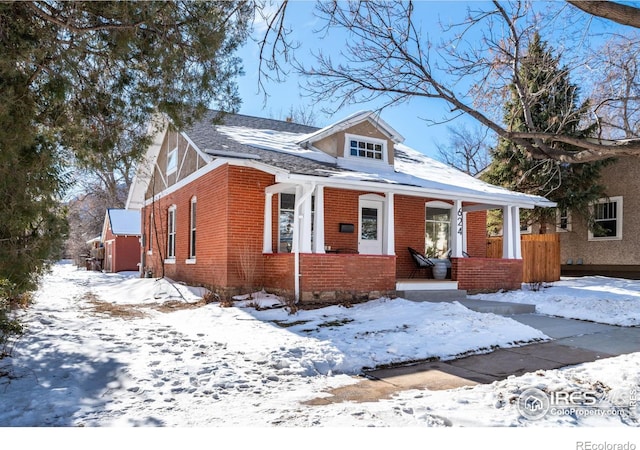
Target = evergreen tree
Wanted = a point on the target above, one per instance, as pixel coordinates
(553, 109)
(74, 78)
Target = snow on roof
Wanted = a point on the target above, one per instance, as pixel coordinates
(412, 168)
(124, 221)
(280, 141)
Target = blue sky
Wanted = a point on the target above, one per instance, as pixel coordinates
(407, 119)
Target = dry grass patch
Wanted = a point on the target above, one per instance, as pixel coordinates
(135, 311)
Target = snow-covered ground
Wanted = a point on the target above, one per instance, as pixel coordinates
(107, 350)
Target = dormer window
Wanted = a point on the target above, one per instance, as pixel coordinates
(370, 149)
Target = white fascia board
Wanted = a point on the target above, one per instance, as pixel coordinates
(350, 121)
(499, 201)
(192, 177)
(213, 165)
(158, 129)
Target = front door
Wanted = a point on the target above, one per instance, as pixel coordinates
(370, 227)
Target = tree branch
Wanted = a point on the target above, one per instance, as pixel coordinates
(616, 12)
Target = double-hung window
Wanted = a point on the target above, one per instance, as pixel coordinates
(285, 227)
(437, 229)
(607, 219)
(171, 233)
(192, 230)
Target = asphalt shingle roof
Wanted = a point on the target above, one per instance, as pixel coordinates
(204, 134)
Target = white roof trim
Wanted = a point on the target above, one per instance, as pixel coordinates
(523, 201)
(350, 121)
(158, 129)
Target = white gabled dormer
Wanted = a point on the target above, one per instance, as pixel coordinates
(362, 141)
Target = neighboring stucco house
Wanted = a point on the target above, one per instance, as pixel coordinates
(614, 248)
(322, 215)
(121, 240)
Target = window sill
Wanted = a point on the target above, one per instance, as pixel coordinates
(170, 261)
(604, 239)
(190, 261)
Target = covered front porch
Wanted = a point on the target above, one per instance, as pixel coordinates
(349, 241)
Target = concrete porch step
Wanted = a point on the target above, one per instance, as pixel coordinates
(434, 295)
(502, 308)
(459, 295)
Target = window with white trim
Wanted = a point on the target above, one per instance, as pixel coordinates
(607, 219)
(285, 224)
(437, 229)
(171, 232)
(150, 234)
(365, 147)
(192, 230)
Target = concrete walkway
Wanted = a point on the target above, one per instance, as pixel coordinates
(575, 342)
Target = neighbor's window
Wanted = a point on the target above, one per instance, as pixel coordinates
(563, 222)
(607, 219)
(192, 231)
(369, 148)
(437, 231)
(171, 232)
(172, 161)
(285, 228)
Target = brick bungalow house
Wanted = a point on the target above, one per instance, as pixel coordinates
(323, 215)
(121, 240)
(614, 248)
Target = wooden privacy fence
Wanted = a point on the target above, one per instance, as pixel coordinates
(540, 256)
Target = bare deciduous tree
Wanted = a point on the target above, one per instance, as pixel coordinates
(617, 94)
(389, 57)
(466, 149)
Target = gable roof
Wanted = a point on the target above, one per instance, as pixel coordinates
(350, 121)
(284, 148)
(124, 222)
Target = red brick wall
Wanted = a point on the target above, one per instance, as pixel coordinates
(477, 234)
(321, 272)
(487, 274)
(225, 242)
(341, 207)
(279, 269)
(246, 225)
(331, 278)
(409, 214)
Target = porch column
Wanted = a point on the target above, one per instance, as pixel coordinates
(267, 239)
(389, 243)
(303, 217)
(318, 222)
(511, 232)
(457, 227)
(517, 247)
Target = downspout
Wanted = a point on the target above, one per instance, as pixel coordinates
(143, 245)
(300, 199)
